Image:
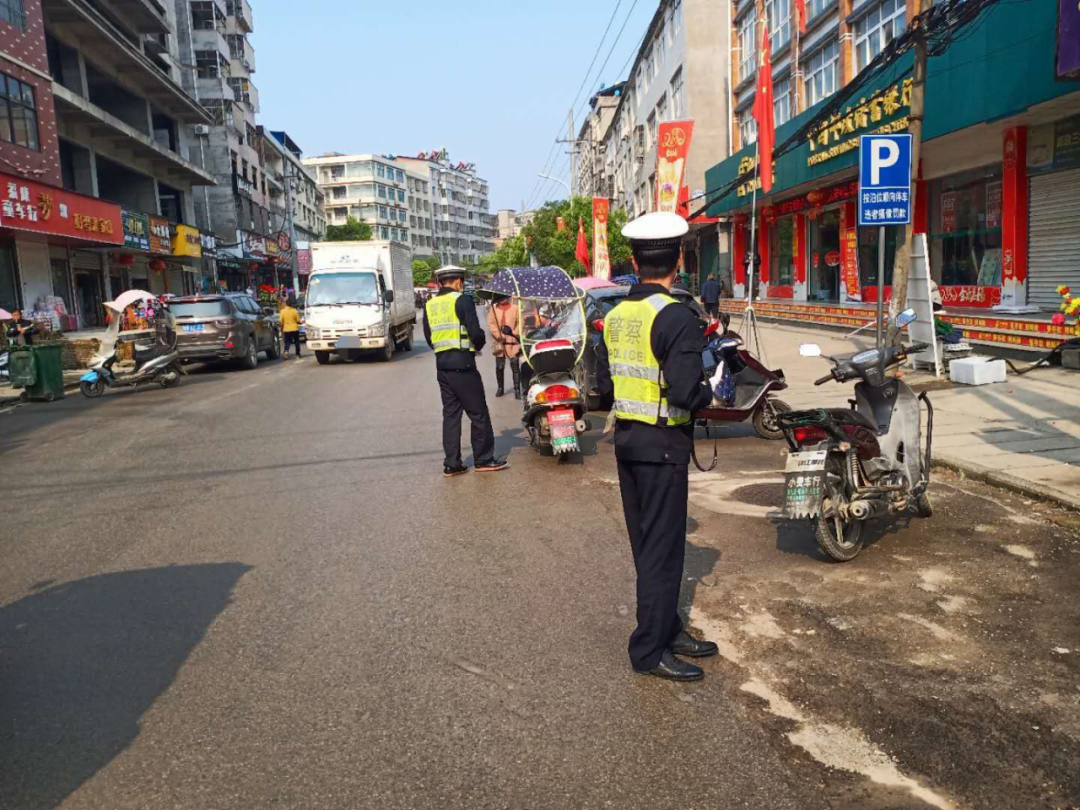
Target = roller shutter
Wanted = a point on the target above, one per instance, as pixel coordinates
(1053, 237)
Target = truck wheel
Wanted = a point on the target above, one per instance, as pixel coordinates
(322, 358)
(388, 351)
(406, 344)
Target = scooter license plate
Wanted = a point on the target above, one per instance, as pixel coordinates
(804, 483)
(563, 430)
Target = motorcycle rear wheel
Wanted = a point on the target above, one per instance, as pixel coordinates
(840, 539)
(765, 424)
(92, 389)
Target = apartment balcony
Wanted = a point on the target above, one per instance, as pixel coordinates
(74, 113)
(79, 25)
(242, 55)
(210, 39)
(239, 16)
(245, 92)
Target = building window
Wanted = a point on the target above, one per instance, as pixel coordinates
(747, 46)
(380, 170)
(820, 82)
(660, 49)
(385, 232)
(676, 18)
(678, 96)
(339, 192)
(778, 13)
(782, 102)
(652, 130)
(965, 227)
(382, 211)
(401, 195)
(817, 7)
(400, 175)
(208, 64)
(876, 30)
(337, 172)
(381, 190)
(747, 128)
(11, 12)
(662, 109)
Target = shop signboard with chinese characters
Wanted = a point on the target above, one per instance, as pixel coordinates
(209, 244)
(1068, 39)
(187, 242)
(601, 208)
(672, 147)
(136, 230)
(38, 208)
(254, 247)
(160, 235)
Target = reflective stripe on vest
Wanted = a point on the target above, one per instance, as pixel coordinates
(640, 393)
(448, 333)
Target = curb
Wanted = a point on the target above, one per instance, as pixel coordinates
(1021, 486)
(15, 400)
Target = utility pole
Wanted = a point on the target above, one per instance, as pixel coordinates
(901, 266)
(292, 229)
(573, 153)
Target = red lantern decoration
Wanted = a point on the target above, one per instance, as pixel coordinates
(157, 265)
(816, 197)
(124, 259)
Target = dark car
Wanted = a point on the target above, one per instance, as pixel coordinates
(231, 326)
(599, 301)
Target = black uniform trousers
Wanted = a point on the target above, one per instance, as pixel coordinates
(464, 391)
(654, 503)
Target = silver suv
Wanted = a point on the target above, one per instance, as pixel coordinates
(230, 326)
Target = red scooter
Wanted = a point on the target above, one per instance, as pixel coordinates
(751, 395)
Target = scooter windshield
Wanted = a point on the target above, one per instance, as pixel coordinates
(545, 322)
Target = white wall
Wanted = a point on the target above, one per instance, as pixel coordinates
(34, 270)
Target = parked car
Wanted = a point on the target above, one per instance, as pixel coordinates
(231, 326)
(599, 301)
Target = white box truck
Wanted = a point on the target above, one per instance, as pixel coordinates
(359, 299)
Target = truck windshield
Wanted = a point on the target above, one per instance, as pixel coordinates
(342, 288)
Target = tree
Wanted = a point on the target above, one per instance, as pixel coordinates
(511, 253)
(552, 247)
(354, 230)
(422, 270)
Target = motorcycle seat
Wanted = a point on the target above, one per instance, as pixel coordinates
(847, 416)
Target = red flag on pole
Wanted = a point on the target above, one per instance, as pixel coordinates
(800, 15)
(582, 252)
(763, 109)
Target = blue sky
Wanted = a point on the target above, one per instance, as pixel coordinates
(491, 80)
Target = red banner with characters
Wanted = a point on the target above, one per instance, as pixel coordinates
(849, 250)
(36, 207)
(970, 296)
(601, 207)
(672, 147)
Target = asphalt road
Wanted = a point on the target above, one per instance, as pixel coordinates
(257, 590)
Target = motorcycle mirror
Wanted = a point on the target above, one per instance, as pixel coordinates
(809, 350)
(598, 324)
(906, 317)
(711, 328)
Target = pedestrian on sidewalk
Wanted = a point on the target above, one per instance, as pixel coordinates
(710, 295)
(452, 329)
(649, 365)
(504, 315)
(290, 326)
(20, 327)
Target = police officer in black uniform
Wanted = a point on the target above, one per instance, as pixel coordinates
(452, 329)
(650, 367)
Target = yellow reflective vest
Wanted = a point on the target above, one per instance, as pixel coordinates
(640, 392)
(447, 331)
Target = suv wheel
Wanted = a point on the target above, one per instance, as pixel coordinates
(251, 358)
(274, 351)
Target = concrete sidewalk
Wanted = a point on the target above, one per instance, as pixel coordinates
(1023, 434)
(9, 395)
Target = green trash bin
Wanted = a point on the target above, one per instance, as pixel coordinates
(21, 367)
(49, 370)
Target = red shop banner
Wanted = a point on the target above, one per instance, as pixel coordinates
(36, 207)
(970, 296)
(672, 147)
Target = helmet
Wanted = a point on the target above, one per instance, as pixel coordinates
(449, 271)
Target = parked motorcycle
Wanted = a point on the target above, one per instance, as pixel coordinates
(751, 384)
(848, 465)
(155, 362)
(552, 330)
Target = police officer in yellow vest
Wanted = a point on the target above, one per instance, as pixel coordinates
(650, 367)
(453, 330)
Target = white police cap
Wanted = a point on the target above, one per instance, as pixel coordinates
(448, 271)
(658, 229)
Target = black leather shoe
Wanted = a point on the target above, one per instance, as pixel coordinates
(686, 644)
(672, 669)
(492, 465)
(450, 472)
(499, 392)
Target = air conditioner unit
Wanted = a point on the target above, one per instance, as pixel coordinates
(202, 129)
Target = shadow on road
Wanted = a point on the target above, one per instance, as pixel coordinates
(81, 662)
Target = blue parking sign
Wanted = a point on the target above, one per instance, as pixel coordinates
(885, 179)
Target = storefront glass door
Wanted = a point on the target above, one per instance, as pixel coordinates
(825, 257)
(9, 298)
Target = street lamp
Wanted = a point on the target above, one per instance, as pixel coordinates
(569, 193)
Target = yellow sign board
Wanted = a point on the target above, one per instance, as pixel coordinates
(187, 242)
(830, 139)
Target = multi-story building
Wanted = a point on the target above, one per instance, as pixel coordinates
(97, 150)
(372, 188)
(462, 227)
(508, 224)
(681, 71)
(591, 179)
(421, 226)
(994, 189)
(299, 185)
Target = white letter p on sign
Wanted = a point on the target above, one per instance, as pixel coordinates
(883, 154)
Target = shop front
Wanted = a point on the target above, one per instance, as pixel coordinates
(49, 267)
(995, 198)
